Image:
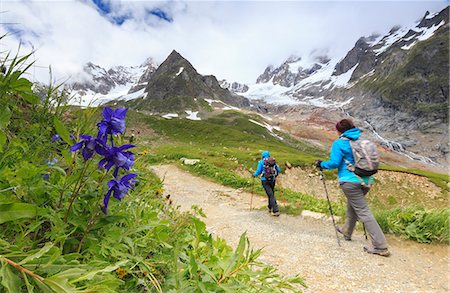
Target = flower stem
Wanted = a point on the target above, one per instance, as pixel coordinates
(88, 228)
(22, 269)
(76, 190)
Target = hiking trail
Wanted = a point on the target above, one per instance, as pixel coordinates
(307, 246)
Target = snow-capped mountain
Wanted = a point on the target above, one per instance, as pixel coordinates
(234, 87)
(397, 84)
(311, 79)
(96, 85)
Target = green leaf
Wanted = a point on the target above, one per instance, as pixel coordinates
(22, 84)
(5, 116)
(241, 246)
(15, 211)
(31, 98)
(2, 140)
(92, 274)
(38, 254)
(59, 169)
(71, 273)
(10, 281)
(62, 130)
(59, 284)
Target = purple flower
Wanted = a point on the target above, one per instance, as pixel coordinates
(88, 144)
(115, 156)
(113, 123)
(52, 162)
(118, 188)
(56, 137)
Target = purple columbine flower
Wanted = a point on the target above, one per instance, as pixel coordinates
(118, 188)
(113, 123)
(88, 144)
(115, 156)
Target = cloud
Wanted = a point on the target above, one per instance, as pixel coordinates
(232, 40)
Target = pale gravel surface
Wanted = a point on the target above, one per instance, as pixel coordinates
(308, 247)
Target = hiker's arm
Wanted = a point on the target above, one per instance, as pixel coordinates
(278, 169)
(335, 157)
(259, 169)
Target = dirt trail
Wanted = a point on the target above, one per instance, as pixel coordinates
(307, 246)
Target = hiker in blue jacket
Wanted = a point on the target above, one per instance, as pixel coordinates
(269, 170)
(355, 188)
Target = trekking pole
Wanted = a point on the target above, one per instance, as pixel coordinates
(365, 233)
(281, 192)
(329, 206)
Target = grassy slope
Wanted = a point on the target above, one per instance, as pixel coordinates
(229, 146)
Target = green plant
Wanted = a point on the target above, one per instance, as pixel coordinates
(53, 234)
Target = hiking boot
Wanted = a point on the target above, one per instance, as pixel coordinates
(275, 214)
(346, 237)
(383, 252)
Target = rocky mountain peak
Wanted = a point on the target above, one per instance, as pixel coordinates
(176, 86)
(234, 87)
(434, 19)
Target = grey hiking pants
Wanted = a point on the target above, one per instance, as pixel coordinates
(269, 186)
(357, 207)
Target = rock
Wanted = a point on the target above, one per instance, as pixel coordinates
(189, 161)
(288, 165)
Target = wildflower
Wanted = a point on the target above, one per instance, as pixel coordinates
(90, 144)
(115, 156)
(118, 188)
(46, 177)
(113, 123)
(52, 162)
(56, 137)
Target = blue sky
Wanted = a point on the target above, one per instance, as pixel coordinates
(235, 40)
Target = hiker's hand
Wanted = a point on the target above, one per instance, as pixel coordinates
(317, 164)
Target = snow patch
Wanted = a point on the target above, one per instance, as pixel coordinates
(136, 95)
(269, 127)
(170, 116)
(270, 93)
(192, 115)
(179, 71)
(226, 106)
(343, 79)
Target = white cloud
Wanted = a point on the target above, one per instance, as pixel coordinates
(232, 40)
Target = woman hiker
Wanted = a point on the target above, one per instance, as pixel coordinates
(354, 189)
(269, 170)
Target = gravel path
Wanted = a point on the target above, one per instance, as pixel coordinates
(308, 246)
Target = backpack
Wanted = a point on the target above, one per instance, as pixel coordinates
(366, 157)
(270, 169)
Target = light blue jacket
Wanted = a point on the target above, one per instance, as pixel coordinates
(341, 151)
(260, 168)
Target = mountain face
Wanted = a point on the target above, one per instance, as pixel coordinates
(96, 84)
(233, 87)
(397, 84)
(176, 86)
(293, 70)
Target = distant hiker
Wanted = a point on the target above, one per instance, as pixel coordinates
(354, 187)
(269, 169)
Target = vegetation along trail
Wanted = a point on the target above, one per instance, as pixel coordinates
(307, 246)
